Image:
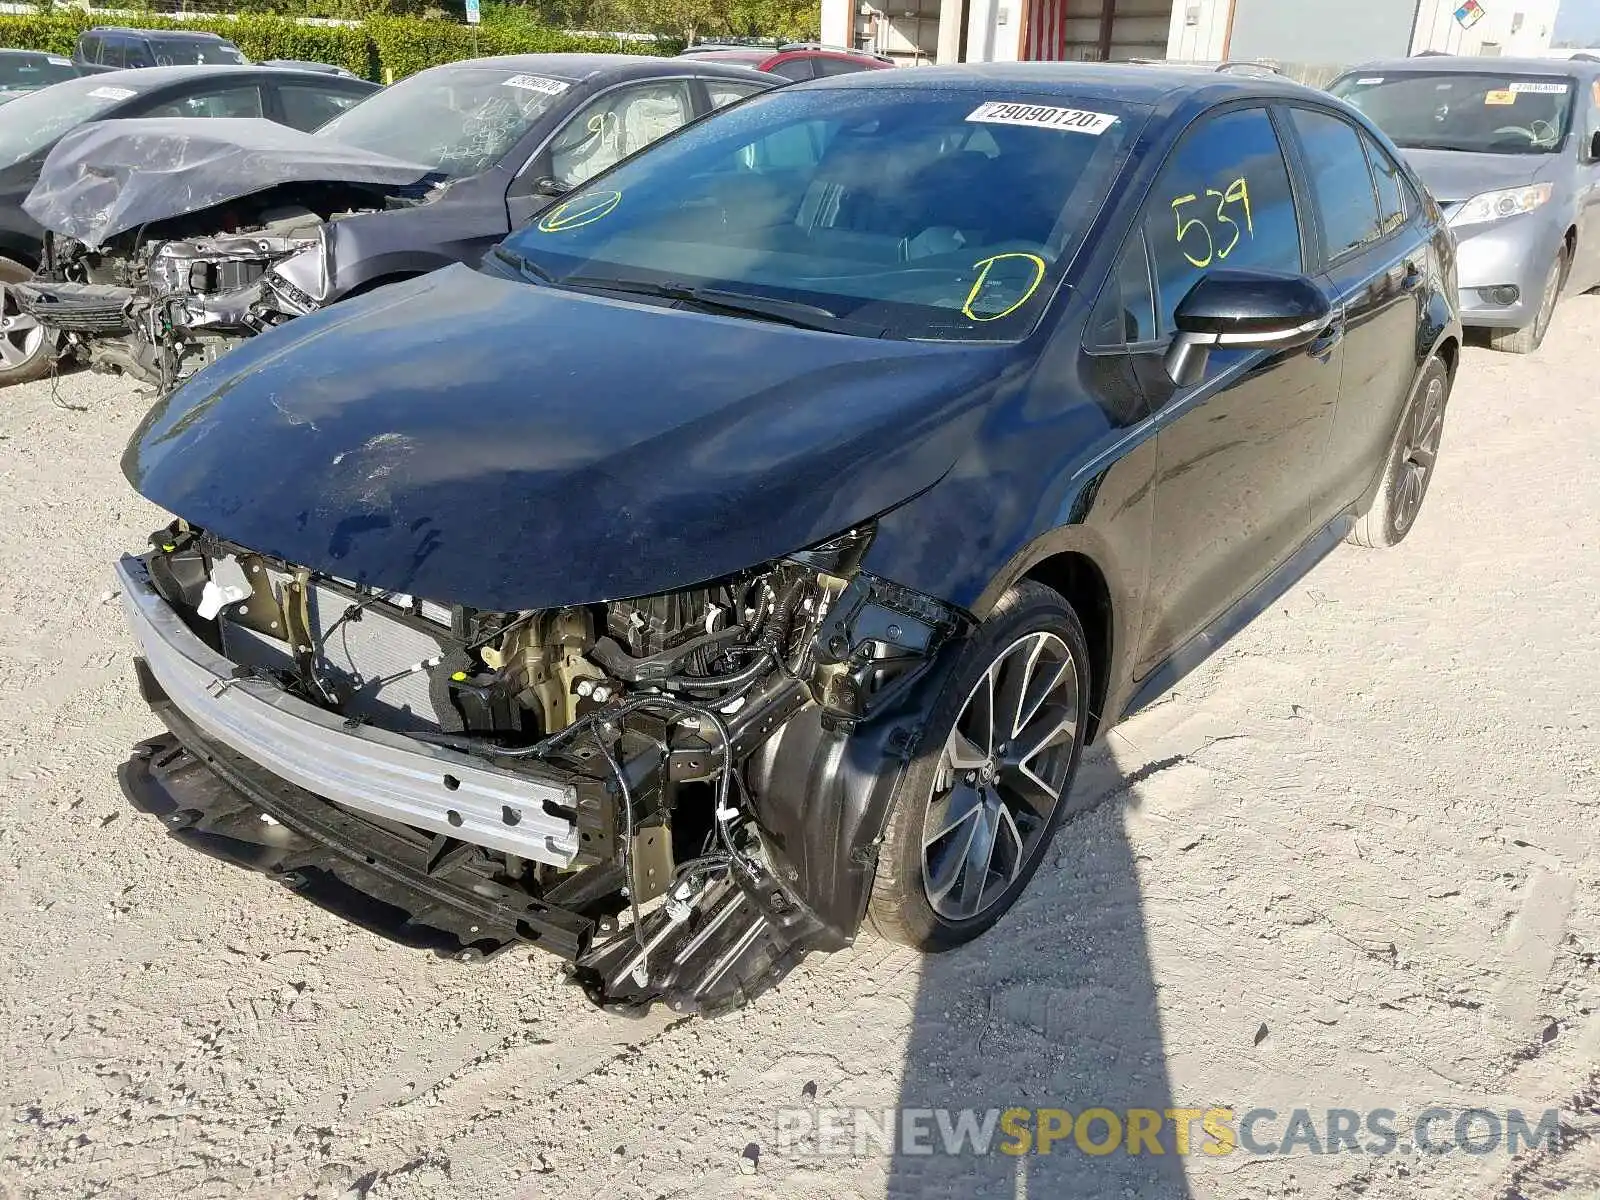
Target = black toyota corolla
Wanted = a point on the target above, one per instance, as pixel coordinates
(750, 547)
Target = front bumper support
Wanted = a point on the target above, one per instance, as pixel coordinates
(530, 813)
(403, 888)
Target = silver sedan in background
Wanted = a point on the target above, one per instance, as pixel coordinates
(1511, 150)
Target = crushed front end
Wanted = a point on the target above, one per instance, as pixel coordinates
(161, 302)
(678, 794)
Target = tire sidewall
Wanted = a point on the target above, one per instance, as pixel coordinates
(1393, 535)
(12, 271)
(1027, 608)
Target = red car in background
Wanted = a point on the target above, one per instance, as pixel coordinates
(796, 61)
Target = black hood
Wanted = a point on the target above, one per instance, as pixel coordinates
(503, 445)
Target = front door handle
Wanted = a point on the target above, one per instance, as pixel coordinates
(1413, 277)
(1327, 340)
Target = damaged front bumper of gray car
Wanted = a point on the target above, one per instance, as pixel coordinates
(163, 310)
(680, 795)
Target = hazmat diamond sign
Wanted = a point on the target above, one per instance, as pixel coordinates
(1470, 13)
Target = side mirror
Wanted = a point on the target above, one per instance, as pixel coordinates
(547, 186)
(1594, 147)
(1258, 310)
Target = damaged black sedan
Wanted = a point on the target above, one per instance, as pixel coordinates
(169, 245)
(751, 545)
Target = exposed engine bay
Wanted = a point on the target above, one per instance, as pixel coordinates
(162, 301)
(666, 791)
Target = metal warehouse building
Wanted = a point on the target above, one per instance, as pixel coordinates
(1310, 33)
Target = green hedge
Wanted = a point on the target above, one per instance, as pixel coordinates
(381, 49)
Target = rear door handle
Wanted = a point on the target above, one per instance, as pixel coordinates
(1413, 277)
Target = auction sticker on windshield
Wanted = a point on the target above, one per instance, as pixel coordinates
(538, 83)
(1042, 116)
(112, 93)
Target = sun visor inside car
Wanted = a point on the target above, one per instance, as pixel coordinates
(109, 176)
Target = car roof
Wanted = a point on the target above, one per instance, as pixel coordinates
(734, 54)
(1461, 65)
(1132, 84)
(578, 67)
(188, 35)
(147, 79)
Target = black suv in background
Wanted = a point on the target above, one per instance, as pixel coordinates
(105, 48)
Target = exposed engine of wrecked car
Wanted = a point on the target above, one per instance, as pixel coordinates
(162, 301)
(659, 874)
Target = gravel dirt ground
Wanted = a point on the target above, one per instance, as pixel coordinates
(1351, 863)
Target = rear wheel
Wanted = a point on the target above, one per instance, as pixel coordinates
(1409, 471)
(1526, 341)
(975, 812)
(25, 345)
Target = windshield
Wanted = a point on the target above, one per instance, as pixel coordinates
(24, 72)
(184, 52)
(1476, 113)
(458, 121)
(34, 121)
(916, 213)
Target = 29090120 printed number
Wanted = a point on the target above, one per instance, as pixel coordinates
(1191, 228)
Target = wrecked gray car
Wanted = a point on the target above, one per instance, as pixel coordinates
(227, 231)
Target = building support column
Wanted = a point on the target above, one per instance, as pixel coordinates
(952, 23)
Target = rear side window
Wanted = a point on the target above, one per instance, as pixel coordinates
(1223, 200)
(724, 92)
(215, 102)
(1391, 185)
(308, 107)
(89, 48)
(796, 69)
(837, 66)
(1341, 181)
(113, 51)
(137, 52)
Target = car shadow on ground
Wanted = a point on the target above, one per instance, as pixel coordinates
(1054, 1008)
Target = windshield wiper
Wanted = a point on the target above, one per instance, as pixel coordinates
(526, 268)
(716, 300)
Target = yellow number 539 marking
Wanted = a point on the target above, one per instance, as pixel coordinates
(1238, 193)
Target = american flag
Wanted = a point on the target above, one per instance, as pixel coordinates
(1046, 39)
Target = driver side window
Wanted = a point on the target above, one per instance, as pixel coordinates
(615, 125)
(1223, 200)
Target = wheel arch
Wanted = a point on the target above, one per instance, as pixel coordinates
(1080, 581)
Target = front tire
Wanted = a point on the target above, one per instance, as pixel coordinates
(1526, 341)
(974, 814)
(1409, 469)
(26, 347)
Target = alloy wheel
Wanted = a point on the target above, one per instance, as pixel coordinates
(21, 335)
(1421, 452)
(1000, 778)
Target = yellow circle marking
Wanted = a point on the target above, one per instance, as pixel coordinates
(578, 212)
(985, 265)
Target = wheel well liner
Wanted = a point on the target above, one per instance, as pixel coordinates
(1450, 352)
(1082, 584)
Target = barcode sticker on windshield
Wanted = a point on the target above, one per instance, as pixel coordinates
(1042, 116)
(111, 93)
(1369, 81)
(538, 83)
(60, 62)
(1541, 89)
